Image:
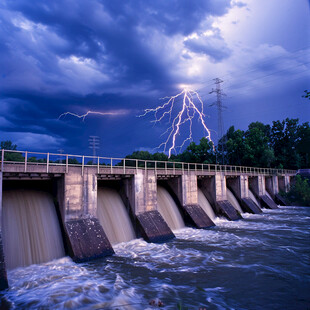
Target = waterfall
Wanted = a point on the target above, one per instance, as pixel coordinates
(168, 209)
(31, 231)
(113, 216)
(205, 205)
(251, 195)
(232, 199)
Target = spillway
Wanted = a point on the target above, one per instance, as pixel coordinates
(251, 195)
(113, 216)
(31, 231)
(205, 205)
(168, 209)
(232, 199)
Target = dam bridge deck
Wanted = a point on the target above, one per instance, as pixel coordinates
(35, 165)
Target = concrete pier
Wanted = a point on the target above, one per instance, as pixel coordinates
(153, 227)
(257, 185)
(284, 183)
(141, 192)
(239, 185)
(272, 185)
(87, 240)
(214, 188)
(78, 205)
(186, 190)
(284, 186)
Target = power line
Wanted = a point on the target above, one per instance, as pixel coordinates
(245, 82)
(275, 72)
(261, 63)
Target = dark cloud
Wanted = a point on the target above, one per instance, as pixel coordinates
(66, 55)
(106, 32)
(213, 46)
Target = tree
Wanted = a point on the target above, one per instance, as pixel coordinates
(284, 139)
(8, 145)
(235, 146)
(258, 152)
(11, 156)
(299, 194)
(303, 144)
(307, 94)
(144, 155)
(197, 153)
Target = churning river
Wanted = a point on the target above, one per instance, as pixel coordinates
(260, 262)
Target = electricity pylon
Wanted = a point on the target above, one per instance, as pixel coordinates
(220, 107)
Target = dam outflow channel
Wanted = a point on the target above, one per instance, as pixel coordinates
(260, 262)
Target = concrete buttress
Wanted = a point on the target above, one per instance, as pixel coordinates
(85, 236)
(215, 190)
(239, 185)
(141, 191)
(185, 188)
(258, 187)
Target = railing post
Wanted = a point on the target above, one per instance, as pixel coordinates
(136, 164)
(2, 159)
(173, 167)
(182, 168)
(111, 165)
(82, 165)
(166, 168)
(98, 166)
(47, 161)
(124, 165)
(145, 165)
(26, 159)
(67, 163)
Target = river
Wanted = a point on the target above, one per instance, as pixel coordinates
(260, 262)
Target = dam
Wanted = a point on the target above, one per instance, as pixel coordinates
(54, 205)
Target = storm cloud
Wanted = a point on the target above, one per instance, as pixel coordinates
(118, 55)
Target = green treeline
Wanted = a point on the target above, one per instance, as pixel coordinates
(285, 144)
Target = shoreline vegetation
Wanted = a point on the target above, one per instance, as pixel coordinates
(299, 193)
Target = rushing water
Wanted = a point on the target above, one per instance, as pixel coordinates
(205, 205)
(113, 216)
(168, 209)
(251, 195)
(31, 232)
(232, 199)
(260, 262)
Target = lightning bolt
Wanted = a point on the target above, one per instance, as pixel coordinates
(83, 116)
(185, 115)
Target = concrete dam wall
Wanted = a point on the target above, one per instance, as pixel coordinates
(49, 211)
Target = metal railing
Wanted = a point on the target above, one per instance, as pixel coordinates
(126, 165)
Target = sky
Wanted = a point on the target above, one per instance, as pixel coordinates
(122, 57)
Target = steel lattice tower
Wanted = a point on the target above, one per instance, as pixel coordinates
(220, 107)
